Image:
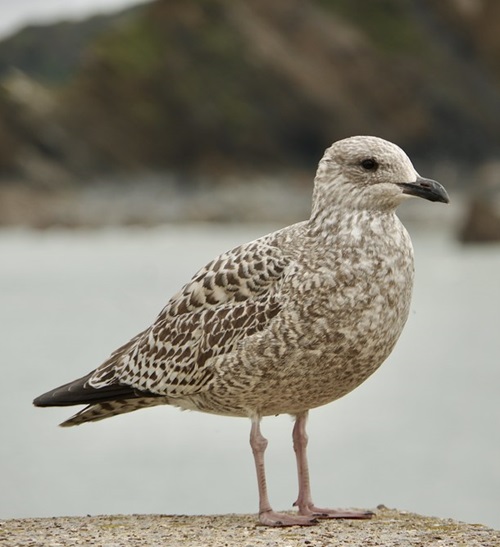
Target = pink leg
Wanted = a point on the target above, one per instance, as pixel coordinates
(266, 515)
(304, 501)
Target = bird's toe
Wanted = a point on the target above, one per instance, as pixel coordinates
(272, 518)
(321, 513)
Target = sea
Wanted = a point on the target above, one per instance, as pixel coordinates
(422, 434)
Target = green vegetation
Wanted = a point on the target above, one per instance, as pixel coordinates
(133, 49)
(53, 53)
(389, 24)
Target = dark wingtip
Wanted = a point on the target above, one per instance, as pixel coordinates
(65, 395)
(55, 397)
(40, 401)
(47, 399)
(80, 392)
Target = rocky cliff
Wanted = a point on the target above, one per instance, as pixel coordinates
(220, 84)
(217, 87)
(224, 83)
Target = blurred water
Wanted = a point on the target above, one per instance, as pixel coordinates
(422, 434)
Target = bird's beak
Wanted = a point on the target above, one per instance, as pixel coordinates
(425, 188)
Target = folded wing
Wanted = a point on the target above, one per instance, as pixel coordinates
(233, 297)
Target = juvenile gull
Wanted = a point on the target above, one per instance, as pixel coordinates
(285, 323)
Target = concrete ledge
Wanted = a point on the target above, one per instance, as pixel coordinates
(389, 528)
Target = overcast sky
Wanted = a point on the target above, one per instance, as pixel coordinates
(15, 14)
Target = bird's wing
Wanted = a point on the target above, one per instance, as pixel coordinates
(233, 297)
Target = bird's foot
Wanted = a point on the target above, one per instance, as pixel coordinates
(271, 518)
(311, 510)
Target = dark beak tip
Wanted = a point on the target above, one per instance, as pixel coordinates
(427, 189)
(439, 197)
(439, 194)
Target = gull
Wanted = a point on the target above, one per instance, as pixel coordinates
(286, 323)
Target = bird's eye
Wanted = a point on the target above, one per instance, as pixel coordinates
(369, 164)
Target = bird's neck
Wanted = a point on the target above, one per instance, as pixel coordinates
(326, 215)
(350, 223)
(333, 208)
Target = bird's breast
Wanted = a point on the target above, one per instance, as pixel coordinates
(349, 312)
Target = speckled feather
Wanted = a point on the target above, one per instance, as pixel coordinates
(290, 321)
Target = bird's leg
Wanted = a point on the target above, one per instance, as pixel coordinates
(304, 501)
(266, 514)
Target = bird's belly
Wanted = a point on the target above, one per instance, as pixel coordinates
(328, 370)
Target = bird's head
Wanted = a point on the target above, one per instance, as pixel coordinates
(369, 173)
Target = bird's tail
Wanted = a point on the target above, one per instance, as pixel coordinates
(100, 411)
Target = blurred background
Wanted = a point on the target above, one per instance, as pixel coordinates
(139, 139)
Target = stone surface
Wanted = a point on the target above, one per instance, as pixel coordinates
(389, 528)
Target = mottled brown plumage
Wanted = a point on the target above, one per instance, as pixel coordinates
(283, 324)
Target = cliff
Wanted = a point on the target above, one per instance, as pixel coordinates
(217, 85)
(222, 84)
(214, 89)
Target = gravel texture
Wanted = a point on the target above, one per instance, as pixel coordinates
(388, 528)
